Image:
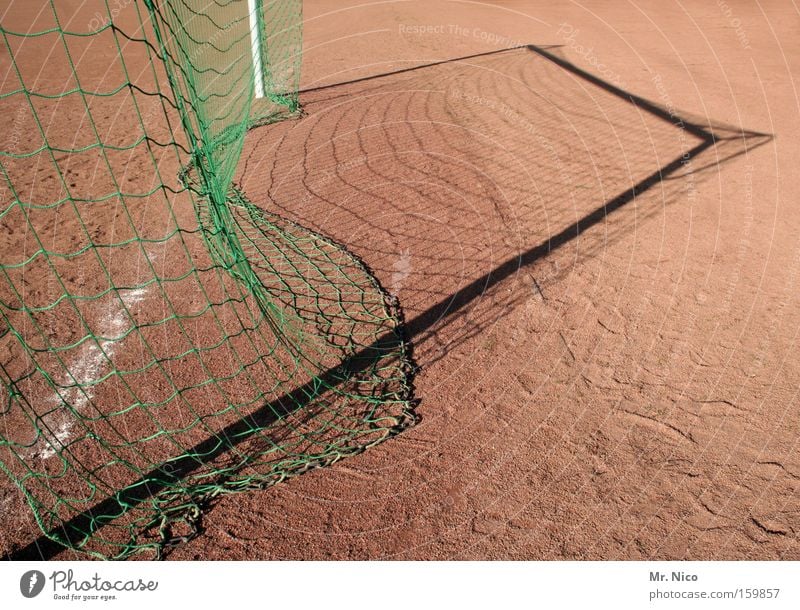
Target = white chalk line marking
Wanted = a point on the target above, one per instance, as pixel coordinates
(91, 363)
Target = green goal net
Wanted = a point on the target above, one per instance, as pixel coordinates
(164, 340)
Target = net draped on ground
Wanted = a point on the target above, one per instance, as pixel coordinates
(163, 340)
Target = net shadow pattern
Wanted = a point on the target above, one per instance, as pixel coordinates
(472, 185)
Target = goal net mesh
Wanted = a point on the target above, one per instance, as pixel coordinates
(163, 340)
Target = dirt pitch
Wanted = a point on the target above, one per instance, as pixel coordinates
(589, 216)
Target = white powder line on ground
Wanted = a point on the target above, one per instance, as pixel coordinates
(401, 270)
(91, 363)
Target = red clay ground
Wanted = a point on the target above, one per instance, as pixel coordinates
(603, 375)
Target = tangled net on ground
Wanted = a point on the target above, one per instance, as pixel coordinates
(163, 340)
